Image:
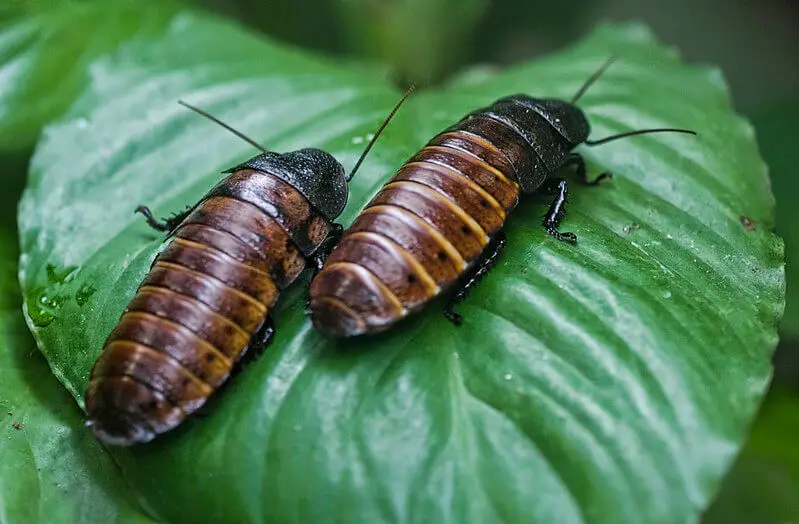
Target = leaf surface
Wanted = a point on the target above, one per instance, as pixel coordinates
(607, 382)
(45, 55)
(51, 469)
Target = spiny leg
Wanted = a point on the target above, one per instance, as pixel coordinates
(576, 161)
(168, 224)
(326, 247)
(558, 186)
(557, 209)
(487, 260)
(258, 343)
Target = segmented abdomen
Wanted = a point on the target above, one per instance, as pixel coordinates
(207, 293)
(420, 233)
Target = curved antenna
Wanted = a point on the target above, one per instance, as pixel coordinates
(639, 132)
(217, 121)
(593, 78)
(379, 131)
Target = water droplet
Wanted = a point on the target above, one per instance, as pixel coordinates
(53, 302)
(41, 308)
(84, 293)
(667, 294)
(60, 276)
(82, 123)
(370, 136)
(357, 140)
(508, 376)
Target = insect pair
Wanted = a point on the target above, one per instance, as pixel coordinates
(436, 224)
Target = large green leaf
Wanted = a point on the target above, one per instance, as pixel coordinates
(45, 53)
(51, 470)
(607, 382)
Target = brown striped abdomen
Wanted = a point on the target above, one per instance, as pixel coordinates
(206, 295)
(422, 231)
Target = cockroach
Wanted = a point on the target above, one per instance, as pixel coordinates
(438, 222)
(205, 302)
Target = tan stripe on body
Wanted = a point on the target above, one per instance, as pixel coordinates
(176, 341)
(460, 178)
(479, 147)
(367, 275)
(405, 215)
(421, 189)
(401, 254)
(463, 155)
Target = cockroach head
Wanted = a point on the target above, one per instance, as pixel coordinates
(568, 119)
(314, 173)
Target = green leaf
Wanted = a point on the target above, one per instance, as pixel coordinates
(51, 469)
(763, 487)
(45, 55)
(776, 129)
(607, 382)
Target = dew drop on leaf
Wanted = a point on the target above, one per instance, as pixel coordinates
(42, 308)
(60, 276)
(84, 293)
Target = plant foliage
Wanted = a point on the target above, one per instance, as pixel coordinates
(606, 382)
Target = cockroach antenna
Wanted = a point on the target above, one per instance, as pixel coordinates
(226, 126)
(379, 131)
(593, 78)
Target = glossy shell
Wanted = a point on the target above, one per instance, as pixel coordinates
(208, 292)
(313, 172)
(550, 129)
(434, 218)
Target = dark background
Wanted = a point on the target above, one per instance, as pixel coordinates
(755, 43)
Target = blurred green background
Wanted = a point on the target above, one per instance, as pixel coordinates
(756, 45)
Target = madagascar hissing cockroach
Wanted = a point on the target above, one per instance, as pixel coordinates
(439, 220)
(207, 297)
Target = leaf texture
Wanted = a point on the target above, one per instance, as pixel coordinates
(607, 382)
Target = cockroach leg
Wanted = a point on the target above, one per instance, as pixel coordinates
(168, 224)
(318, 259)
(487, 260)
(326, 247)
(557, 209)
(576, 161)
(258, 343)
(257, 346)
